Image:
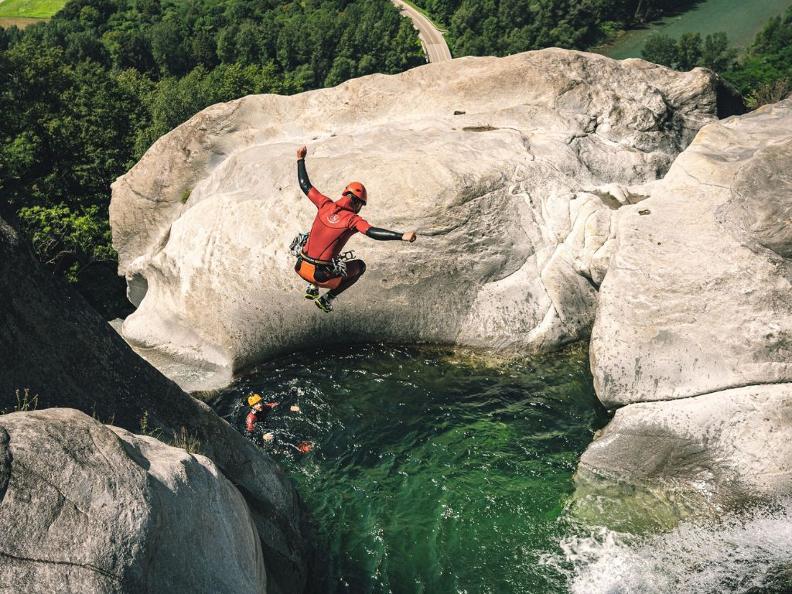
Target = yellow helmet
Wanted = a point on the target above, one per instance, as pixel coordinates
(254, 399)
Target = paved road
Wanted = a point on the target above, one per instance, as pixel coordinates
(432, 40)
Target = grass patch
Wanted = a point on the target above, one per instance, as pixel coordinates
(24, 402)
(37, 9)
(187, 441)
(180, 439)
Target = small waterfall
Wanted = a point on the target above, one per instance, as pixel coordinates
(748, 552)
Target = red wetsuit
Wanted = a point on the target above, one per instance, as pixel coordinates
(334, 224)
(256, 416)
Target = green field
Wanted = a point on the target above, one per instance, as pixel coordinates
(37, 9)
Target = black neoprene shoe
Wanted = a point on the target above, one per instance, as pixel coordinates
(324, 304)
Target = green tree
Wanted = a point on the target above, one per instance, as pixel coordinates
(343, 68)
(129, 49)
(68, 240)
(716, 53)
(150, 9)
(689, 51)
(765, 71)
(204, 48)
(169, 46)
(660, 49)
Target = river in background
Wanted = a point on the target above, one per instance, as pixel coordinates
(741, 20)
(436, 471)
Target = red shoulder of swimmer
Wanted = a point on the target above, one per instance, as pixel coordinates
(258, 415)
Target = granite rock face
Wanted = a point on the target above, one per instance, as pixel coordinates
(727, 447)
(510, 169)
(55, 347)
(697, 297)
(693, 335)
(92, 508)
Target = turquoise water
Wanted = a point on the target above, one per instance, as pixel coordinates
(741, 20)
(438, 472)
(432, 471)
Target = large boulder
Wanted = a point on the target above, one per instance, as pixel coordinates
(500, 163)
(53, 346)
(91, 508)
(697, 297)
(693, 335)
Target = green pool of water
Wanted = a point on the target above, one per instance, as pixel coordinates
(741, 20)
(433, 471)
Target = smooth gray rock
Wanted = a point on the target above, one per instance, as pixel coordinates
(733, 445)
(693, 336)
(507, 198)
(698, 295)
(92, 508)
(54, 345)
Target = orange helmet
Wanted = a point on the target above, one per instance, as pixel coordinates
(358, 190)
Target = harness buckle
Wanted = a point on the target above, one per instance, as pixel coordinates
(297, 244)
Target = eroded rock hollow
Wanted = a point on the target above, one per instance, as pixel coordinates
(509, 168)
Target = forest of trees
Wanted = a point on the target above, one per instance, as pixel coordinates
(502, 27)
(84, 95)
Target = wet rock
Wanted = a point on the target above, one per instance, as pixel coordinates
(729, 446)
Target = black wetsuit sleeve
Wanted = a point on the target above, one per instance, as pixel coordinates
(383, 234)
(302, 176)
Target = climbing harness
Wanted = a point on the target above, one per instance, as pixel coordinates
(298, 243)
(337, 265)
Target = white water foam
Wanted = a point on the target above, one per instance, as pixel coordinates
(750, 552)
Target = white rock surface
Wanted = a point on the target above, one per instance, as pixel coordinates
(512, 199)
(698, 296)
(733, 444)
(85, 507)
(693, 335)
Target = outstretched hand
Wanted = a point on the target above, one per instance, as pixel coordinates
(409, 236)
(301, 152)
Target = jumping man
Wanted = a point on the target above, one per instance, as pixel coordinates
(333, 225)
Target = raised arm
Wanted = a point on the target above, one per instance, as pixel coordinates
(306, 186)
(302, 174)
